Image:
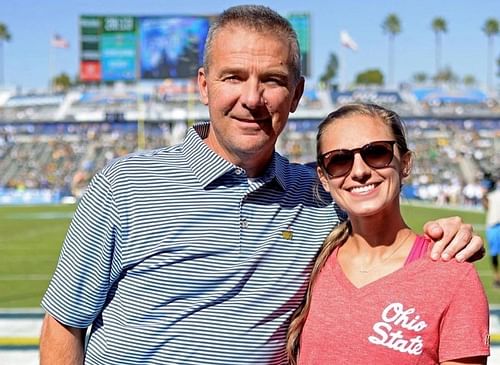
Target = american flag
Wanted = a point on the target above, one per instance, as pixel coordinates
(59, 42)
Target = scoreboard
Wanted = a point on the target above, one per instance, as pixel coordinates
(131, 48)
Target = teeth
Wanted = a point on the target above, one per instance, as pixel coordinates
(363, 189)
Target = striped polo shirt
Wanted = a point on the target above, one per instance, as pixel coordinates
(174, 256)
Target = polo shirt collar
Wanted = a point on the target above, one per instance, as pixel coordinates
(207, 166)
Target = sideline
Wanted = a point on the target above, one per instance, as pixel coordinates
(20, 329)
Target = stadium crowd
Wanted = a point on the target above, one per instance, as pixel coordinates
(58, 142)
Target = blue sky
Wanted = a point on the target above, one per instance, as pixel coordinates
(29, 60)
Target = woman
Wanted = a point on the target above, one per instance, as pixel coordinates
(373, 272)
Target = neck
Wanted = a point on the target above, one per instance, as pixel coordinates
(378, 231)
(377, 246)
(254, 163)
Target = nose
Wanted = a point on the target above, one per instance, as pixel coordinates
(252, 95)
(360, 170)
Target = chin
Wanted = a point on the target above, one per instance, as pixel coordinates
(367, 210)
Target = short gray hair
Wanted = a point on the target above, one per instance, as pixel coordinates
(259, 18)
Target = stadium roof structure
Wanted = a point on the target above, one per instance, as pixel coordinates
(178, 101)
(455, 96)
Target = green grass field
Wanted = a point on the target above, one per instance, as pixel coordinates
(31, 237)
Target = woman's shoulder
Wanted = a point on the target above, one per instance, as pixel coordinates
(422, 249)
(450, 268)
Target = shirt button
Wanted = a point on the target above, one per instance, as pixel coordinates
(243, 223)
(239, 171)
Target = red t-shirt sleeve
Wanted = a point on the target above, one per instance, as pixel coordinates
(465, 325)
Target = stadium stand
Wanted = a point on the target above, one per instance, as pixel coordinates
(35, 107)
(51, 144)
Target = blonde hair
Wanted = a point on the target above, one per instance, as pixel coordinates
(336, 238)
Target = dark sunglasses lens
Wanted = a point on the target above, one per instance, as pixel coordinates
(340, 162)
(377, 154)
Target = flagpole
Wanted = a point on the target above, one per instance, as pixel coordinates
(346, 41)
(51, 64)
(341, 64)
(55, 42)
(344, 69)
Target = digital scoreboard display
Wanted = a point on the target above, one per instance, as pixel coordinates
(108, 48)
(130, 48)
(171, 47)
(301, 23)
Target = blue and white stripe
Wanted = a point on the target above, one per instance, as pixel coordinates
(175, 258)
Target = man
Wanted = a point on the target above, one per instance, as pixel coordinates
(200, 253)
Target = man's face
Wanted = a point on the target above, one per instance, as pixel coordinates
(250, 90)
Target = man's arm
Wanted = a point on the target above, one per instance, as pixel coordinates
(454, 238)
(60, 344)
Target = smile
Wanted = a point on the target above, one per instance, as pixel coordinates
(362, 189)
(254, 120)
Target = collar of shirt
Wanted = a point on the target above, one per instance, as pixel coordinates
(208, 166)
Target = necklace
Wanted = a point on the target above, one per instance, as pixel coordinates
(365, 271)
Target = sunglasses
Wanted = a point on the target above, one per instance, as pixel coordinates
(338, 163)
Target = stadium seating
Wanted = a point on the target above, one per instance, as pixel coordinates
(58, 141)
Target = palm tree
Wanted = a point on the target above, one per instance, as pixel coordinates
(391, 26)
(469, 80)
(420, 77)
(330, 71)
(490, 28)
(4, 36)
(439, 27)
(61, 82)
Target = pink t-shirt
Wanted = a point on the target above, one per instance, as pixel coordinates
(424, 313)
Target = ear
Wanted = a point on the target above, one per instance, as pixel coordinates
(323, 179)
(406, 164)
(202, 85)
(299, 90)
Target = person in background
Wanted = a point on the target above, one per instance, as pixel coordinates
(199, 253)
(491, 203)
(375, 297)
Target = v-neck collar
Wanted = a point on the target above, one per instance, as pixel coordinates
(387, 280)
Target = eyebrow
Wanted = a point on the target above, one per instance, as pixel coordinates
(276, 71)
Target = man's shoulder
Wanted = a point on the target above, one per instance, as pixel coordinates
(143, 161)
(303, 185)
(298, 176)
(303, 168)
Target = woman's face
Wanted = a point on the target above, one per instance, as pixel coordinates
(363, 190)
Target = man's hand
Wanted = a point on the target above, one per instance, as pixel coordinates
(453, 238)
